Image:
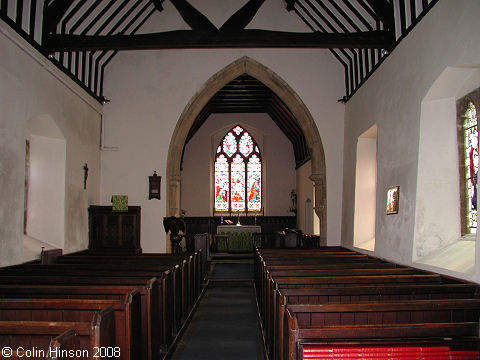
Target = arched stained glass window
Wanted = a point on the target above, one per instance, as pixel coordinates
(238, 173)
(470, 141)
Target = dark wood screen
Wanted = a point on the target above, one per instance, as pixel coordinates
(114, 230)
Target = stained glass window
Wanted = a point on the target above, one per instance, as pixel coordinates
(229, 144)
(238, 173)
(221, 183)
(254, 181)
(470, 138)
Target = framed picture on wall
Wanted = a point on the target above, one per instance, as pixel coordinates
(393, 196)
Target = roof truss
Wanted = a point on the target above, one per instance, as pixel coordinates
(232, 34)
(82, 36)
(182, 39)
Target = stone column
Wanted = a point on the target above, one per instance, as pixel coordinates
(320, 206)
(173, 201)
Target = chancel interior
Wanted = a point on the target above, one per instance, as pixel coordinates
(293, 139)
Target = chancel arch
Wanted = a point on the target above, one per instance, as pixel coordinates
(246, 65)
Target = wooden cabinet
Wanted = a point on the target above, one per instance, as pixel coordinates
(114, 230)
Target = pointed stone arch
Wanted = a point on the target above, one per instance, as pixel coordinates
(246, 65)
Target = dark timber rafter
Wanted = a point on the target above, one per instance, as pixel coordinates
(183, 39)
(243, 16)
(194, 18)
(384, 10)
(54, 13)
(231, 35)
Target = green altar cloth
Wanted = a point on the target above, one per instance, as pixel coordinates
(236, 242)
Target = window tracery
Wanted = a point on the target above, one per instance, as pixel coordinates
(238, 173)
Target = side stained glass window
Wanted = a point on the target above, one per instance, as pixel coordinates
(238, 173)
(470, 140)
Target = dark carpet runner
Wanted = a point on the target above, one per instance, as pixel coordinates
(225, 325)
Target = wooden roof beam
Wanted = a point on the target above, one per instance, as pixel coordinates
(192, 39)
(384, 11)
(194, 18)
(290, 5)
(54, 14)
(243, 16)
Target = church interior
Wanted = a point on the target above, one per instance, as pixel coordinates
(281, 118)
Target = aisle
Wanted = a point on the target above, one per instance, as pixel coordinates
(225, 325)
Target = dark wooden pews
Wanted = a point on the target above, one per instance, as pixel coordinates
(325, 297)
(130, 334)
(33, 338)
(152, 322)
(161, 288)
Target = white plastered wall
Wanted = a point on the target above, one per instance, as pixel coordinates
(438, 223)
(31, 87)
(149, 91)
(392, 98)
(277, 157)
(365, 190)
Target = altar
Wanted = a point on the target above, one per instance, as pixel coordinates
(236, 238)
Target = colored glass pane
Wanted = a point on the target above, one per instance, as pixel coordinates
(246, 144)
(471, 164)
(238, 173)
(221, 183)
(254, 183)
(237, 130)
(238, 183)
(229, 144)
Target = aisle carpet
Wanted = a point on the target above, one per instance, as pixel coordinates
(225, 325)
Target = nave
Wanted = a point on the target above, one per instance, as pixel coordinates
(314, 304)
(225, 325)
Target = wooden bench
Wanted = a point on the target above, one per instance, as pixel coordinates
(169, 280)
(76, 310)
(156, 333)
(171, 316)
(273, 317)
(24, 336)
(189, 280)
(66, 346)
(193, 259)
(128, 295)
(446, 321)
(353, 294)
(267, 292)
(332, 290)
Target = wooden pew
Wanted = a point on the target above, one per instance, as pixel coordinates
(156, 333)
(179, 299)
(267, 292)
(128, 266)
(75, 310)
(190, 269)
(65, 346)
(169, 293)
(321, 277)
(23, 336)
(193, 259)
(421, 321)
(334, 262)
(354, 294)
(130, 296)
